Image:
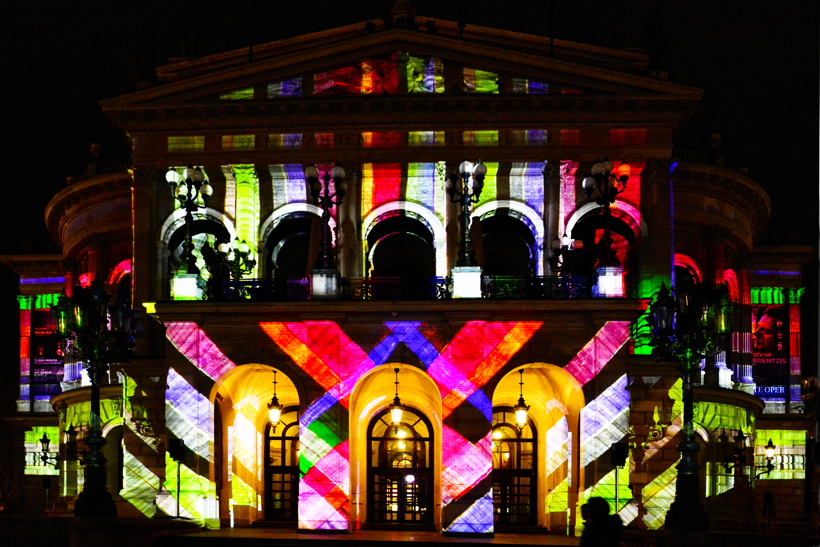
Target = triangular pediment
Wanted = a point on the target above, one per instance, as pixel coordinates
(350, 61)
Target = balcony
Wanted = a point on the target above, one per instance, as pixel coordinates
(407, 288)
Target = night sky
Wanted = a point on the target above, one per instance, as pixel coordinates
(757, 62)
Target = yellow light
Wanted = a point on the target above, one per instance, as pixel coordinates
(401, 434)
(770, 450)
(497, 434)
(275, 415)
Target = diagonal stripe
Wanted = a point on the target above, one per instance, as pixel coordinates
(604, 421)
(192, 342)
(598, 351)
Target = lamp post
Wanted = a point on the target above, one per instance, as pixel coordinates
(465, 189)
(688, 324)
(325, 200)
(45, 456)
(602, 186)
(187, 191)
(97, 332)
(238, 258)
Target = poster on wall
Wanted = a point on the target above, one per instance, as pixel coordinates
(46, 356)
(770, 349)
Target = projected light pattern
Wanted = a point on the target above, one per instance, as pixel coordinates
(237, 94)
(790, 452)
(604, 421)
(425, 138)
(33, 450)
(285, 140)
(527, 184)
(289, 184)
(479, 138)
(247, 205)
(480, 81)
(194, 344)
(531, 87)
(285, 88)
(425, 186)
(425, 75)
(187, 414)
(381, 183)
(381, 140)
(598, 351)
(605, 488)
(460, 370)
(658, 496)
(371, 76)
(139, 484)
(566, 204)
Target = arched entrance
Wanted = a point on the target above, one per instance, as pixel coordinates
(400, 470)
(282, 468)
(515, 482)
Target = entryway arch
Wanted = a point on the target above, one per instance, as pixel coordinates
(555, 399)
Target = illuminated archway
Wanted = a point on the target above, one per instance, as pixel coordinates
(555, 399)
(372, 395)
(687, 263)
(241, 397)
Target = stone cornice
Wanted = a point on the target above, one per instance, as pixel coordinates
(407, 113)
(620, 309)
(81, 198)
(693, 182)
(732, 397)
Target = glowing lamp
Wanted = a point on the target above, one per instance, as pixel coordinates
(623, 170)
(63, 318)
(274, 407)
(723, 313)
(311, 172)
(206, 191)
(337, 172)
(465, 168)
(521, 408)
(396, 408)
(770, 450)
(172, 176)
(44, 442)
(480, 169)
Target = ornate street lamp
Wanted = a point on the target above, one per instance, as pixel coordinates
(238, 258)
(97, 332)
(769, 467)
(45, 457)
(602, 186)
(274, 408)
(688, 325)
(465, 189)
(521, 408)
(188, 191)
(325, 200)
(396, 408)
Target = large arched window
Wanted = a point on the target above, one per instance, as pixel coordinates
(507, 245)
(399, 469)
(290, 251)
(282, 468)
(401, 245)
(514, 471)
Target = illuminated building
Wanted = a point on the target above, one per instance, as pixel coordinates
(400, 108)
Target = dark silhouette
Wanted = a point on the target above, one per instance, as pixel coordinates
(600, 528)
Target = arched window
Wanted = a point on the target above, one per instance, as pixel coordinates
(507, 245)
(399, 469)
(514, 471)
(291, 252)
(401, 245)
(282, 468)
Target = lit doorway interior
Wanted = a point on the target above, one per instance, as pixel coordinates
(400, 475)
(282, 468)
(514, 478)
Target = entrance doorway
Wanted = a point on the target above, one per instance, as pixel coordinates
(399, 470)
(282, 468)
(514, 465)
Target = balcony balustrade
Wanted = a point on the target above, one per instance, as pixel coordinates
(408, 288)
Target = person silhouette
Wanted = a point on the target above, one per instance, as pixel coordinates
(600, 528)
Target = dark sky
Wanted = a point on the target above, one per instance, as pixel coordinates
(757, 62)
